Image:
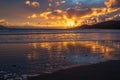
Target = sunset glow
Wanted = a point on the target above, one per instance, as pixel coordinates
(65, 13)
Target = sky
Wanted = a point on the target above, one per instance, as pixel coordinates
(57, 13)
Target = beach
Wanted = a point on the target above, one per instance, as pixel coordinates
(101, 71)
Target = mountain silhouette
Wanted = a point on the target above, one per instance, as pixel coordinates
(2, 27)
(102, 25)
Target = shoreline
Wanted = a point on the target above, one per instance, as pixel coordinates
(109, 70)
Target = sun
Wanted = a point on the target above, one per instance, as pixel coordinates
(71, 23)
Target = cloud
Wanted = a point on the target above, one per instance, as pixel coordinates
(112, 3)
(32, 16)
(78, 15)
(27, 2)
(33, 4)
(77, 12)
(68, 13)
(3, 22)
(73, 16)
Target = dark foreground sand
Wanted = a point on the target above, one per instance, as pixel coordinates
(109, 70)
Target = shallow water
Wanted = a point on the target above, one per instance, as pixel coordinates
(43, 52)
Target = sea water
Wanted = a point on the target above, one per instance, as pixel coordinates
(45, 51)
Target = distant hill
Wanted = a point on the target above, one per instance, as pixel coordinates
(2, 27)
(103, 25)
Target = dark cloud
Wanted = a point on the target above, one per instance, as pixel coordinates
(55, 13)
(70, 12)
(78, 12)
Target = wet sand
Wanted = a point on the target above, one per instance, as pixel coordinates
(109, 70)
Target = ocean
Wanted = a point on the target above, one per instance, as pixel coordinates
(46, 51)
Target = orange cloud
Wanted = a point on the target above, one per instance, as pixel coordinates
(74, 17)
(33, 4)
(53, 3)
(32, 16)
(27, 2)
(5, 23)
(112, 3)
(78, 15)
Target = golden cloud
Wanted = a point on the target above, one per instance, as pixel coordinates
(27, 2)
(77, 15)
(33, 16)
(112, 3)
(33, 4)
(74, 17)
(3, 22)
(53, 3)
